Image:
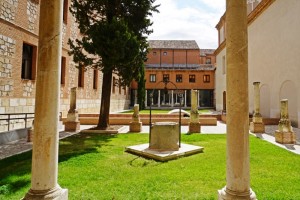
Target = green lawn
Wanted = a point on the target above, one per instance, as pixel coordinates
(96, 167)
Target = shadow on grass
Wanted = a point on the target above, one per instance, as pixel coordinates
(15, 170)
(82, 143)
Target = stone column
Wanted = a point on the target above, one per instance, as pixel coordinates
(285, 133)
(198, 100)
(184, 98)
(158, 102)
(172, 99)
(135, 125)
(237, 170)
(46, 137)
(72, 123)
(257, 125)
(194, 124)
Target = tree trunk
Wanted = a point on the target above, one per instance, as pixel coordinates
(103, 122)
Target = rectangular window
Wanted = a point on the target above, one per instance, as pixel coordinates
(120, 88)
(154, 53)
(152, 77)
(114, 83)
(178, 78)
(95, 79)
(206, 78)
(81, 77)
(166, 77)
(28, 62)
(65, 11)
(165, 53)
(192, 78)
(63, 70)
(208, 61)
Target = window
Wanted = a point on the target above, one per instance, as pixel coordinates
(206, 78)
(165, 53)
(178, 78)
(63, 71)
(152, 77)
(166, 77)
(224, 65)
(120, 88)
(95, 79)
(154, 53)
(28, 62)
(81, 77)
(208, 61)
(192, 78)
(65, 11)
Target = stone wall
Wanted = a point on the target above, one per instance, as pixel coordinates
(32, 13)
(8, 9)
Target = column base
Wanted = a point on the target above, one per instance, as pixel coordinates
(72, 126)
(225, 194)
(53, 194)
(257, 127)
(285, 137)
(194, 127)
(135, 126)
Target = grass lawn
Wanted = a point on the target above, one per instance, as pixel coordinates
(164, 111)
(96, 167)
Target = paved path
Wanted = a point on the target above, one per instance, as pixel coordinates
(22, 145)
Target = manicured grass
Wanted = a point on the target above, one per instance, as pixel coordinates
(96, 167)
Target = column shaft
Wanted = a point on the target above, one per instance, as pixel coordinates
(237, 174)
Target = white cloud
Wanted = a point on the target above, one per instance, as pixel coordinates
(188, 20)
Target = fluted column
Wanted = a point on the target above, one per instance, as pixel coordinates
(45, 144)
(257, 125)
(237, 170)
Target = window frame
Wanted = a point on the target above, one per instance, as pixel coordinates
(178, 78)
(206, 78)
(152, 78)
(166, 76)
(28, 71)
(192, 78)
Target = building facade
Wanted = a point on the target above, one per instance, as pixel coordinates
(273, 49)
(19, 28)
(184, 67)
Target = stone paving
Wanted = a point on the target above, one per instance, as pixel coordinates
(22, 145)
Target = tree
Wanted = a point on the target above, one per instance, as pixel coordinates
(114, 40)
(141, 89)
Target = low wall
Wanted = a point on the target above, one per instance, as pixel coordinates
(125, 119)
(14, 135)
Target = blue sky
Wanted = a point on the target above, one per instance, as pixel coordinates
(188, 20)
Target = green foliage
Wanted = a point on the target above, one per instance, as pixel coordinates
(113, 35)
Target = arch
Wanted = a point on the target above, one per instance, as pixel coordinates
(265, 101)
(288, 91)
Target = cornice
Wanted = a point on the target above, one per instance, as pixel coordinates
(220, 48)
(259, 10)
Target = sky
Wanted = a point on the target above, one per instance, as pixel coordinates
(188, 20)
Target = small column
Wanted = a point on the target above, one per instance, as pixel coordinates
(158, 101)
(72, 123)
(257, 125)
(237, 162)
(184, 98)
(285, 133)
(172, 99)
(194, 124)
(135, 125)
(198, 100)
(44, 168)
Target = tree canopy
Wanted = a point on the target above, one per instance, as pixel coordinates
(114, 40)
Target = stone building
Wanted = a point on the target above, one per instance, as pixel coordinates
(273, 46)
(19, 27)
(183, 64)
